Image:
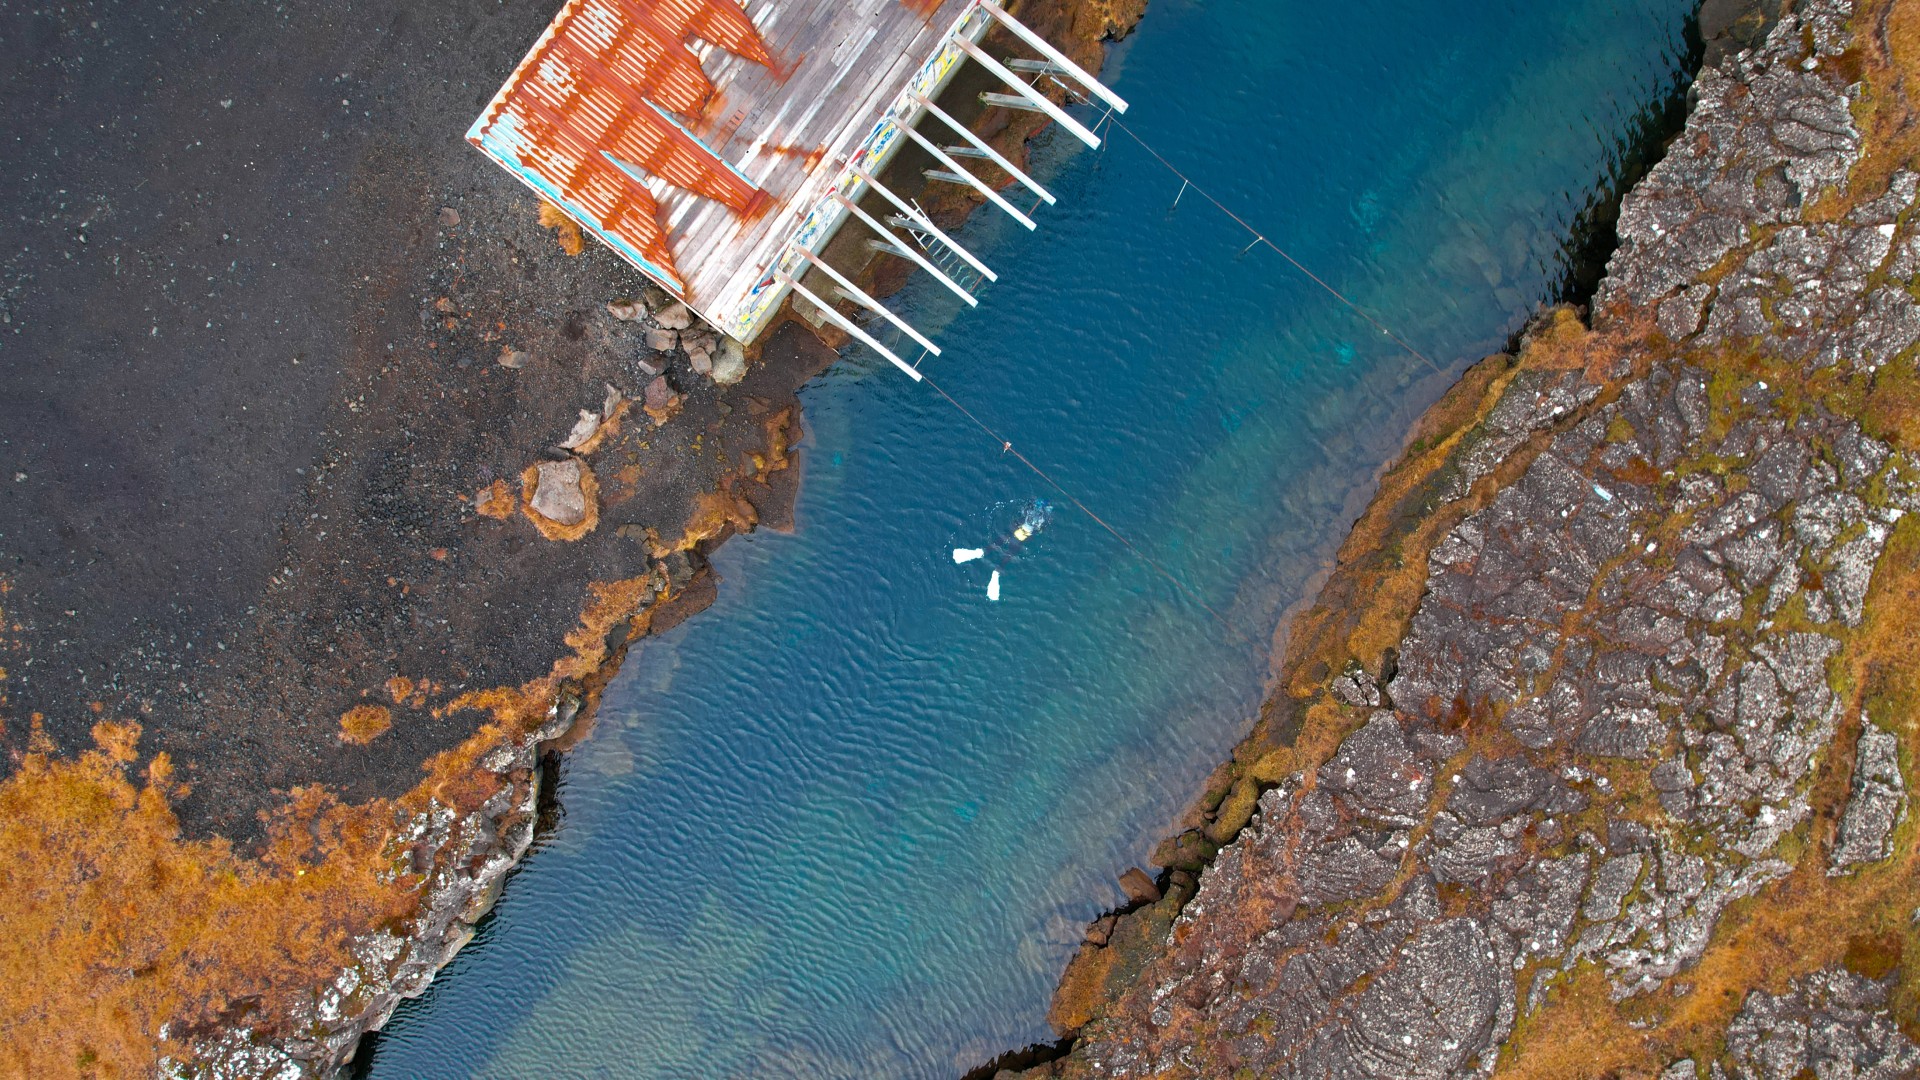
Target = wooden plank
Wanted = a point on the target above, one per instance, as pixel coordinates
(781, 127)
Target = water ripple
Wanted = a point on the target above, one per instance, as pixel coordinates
(850, 822)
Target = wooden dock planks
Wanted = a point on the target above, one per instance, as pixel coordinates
(844, 61)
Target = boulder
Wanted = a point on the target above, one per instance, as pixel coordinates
(729, 362)
(1100, 931)
(674, 316)
(558, 496)
(663, 340)
(584, 429)
(660, 400)
(1877, 804)
(1139, 888)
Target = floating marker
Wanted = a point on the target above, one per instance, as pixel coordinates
(993, 586)
(967, 555)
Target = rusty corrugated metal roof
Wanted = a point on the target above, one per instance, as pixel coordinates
(587, 116)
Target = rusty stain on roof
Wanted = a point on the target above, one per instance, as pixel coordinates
(589, 115)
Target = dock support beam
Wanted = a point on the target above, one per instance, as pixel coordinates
(1020, 86)
(859, 296)
(1059, 59)
(894, 245)
(971, 180)
(980, 146)
(924, 223)
(1008, 101)
(847, 324)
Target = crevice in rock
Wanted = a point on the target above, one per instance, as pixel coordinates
(1594, 234)
(1024, 1058)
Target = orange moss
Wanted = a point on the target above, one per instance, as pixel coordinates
(117, 926)
(496, 501)
(362, 724)
(399, 688)
(1886, 55)
(549, 528)
(713, 514)
(119, 741)
(608, 429)
(779, 428)
(565, 230)
(625, 484)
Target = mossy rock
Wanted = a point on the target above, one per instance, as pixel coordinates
(1235, 811)
(1190, 851)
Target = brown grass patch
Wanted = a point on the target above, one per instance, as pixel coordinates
(362, 724)
(566, 231)
(1808, 921)
(117, 926)
(496, 501)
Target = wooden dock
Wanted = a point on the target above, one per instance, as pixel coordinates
(716, 145)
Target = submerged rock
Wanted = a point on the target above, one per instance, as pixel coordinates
(1139, 888)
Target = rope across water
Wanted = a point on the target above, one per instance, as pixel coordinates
(1006, 445)
(1261, 238)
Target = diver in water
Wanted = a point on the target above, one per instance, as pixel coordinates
(1007, 546)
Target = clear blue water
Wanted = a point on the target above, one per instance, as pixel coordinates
(850, 822)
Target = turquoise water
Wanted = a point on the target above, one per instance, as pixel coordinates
(850, 822)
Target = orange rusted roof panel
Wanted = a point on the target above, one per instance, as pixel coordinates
(586, 118)
(700, 138)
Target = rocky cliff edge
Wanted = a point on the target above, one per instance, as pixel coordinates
(1593, 758)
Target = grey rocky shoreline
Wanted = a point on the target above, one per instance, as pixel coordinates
(1602, 728)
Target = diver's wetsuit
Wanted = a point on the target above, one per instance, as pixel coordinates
(1003, 548)
(1007, 545)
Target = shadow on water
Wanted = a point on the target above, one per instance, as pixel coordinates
(1595, 234)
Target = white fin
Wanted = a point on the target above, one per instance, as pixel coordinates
(961, 555)
(993, 586)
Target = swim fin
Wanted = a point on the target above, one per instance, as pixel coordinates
(993, 586)
(965, 555)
